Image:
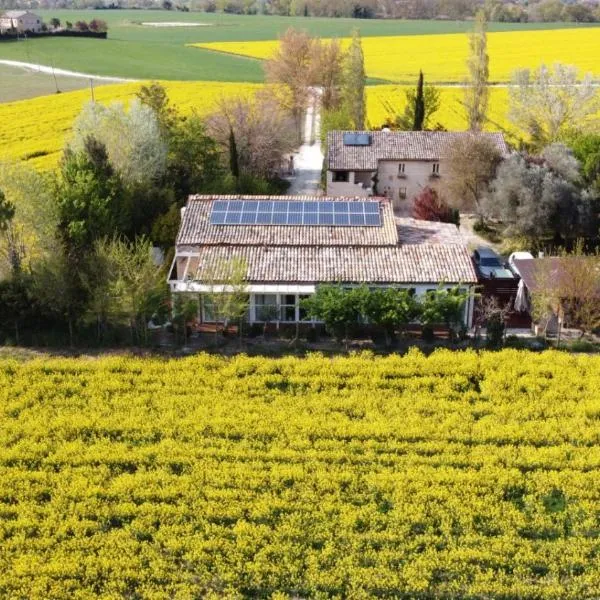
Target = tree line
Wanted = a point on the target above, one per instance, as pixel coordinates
(578, 11)
(78, 248)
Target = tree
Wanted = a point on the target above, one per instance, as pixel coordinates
(586, 149)
(133, 283)
(228, 290)
(58, 286)
(334, 120)
(54, 23)
(444, 306)
(89, 199)
(549, 102)
(327, 65)
(29, 234)
(406, 120)
(98, 26)
(81, 26)
(17, 306)
(567, 286)
(578, 285)
(7, 212)
(353, 89)
(419, 116)
(291, 67)
(476, 91)
(234, 164)
(338, 307)
(471, 165)
(390, 308)
(490, 314)
(429, 206)
(133, 139)
(535, 202)
(155, 96)
(263, 133)
(194, 162)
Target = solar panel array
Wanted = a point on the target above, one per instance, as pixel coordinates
(357, 139)
(295, 212)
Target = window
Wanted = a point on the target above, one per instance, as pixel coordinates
(341, 176)
(402, 170)
(208, 310)
(265, 307)
(287, 307)
(435, 170)
(402, 193)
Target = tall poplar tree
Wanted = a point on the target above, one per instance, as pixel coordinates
(476, 91)
(353, 90)
(419, 105)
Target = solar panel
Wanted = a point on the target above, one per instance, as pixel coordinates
(357, 139)
(296, 212)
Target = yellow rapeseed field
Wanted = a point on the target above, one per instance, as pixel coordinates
(35, 130)
(385, 101)
(442, 57)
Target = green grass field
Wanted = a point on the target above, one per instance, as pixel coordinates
(143, 52)
(20, 83)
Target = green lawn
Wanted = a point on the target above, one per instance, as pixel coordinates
(143, 52)
(19, 83)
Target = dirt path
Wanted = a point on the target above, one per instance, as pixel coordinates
(63, 72)
(308, 161)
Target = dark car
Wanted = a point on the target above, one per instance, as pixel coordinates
(491, 265)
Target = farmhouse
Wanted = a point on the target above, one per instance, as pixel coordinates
(289, 245)
(20, 21)
(394, 164)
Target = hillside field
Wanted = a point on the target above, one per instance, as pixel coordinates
(139, 51)
(458, 475)
(36, 130)
(443, 57)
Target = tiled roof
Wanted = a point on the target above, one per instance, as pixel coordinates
(415, 231)
(397, 145)
(402, 250)
(196, 227)
(536, 272)
(411, 263)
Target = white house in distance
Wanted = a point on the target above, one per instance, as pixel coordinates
(398, 163)
(21, 21)
(291, 244)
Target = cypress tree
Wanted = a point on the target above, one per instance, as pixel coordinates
(353, 89)
(419, 105)
(233, 155)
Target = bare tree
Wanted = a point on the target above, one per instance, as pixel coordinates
(476, 92)
(547, 102)
(568, 286)
(262, 132)
(291, 66)
(471, 165)
(327, 71)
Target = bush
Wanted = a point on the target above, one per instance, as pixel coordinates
(428, 206)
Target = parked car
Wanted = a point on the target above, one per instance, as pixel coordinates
(518, 256)
(491, 265)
